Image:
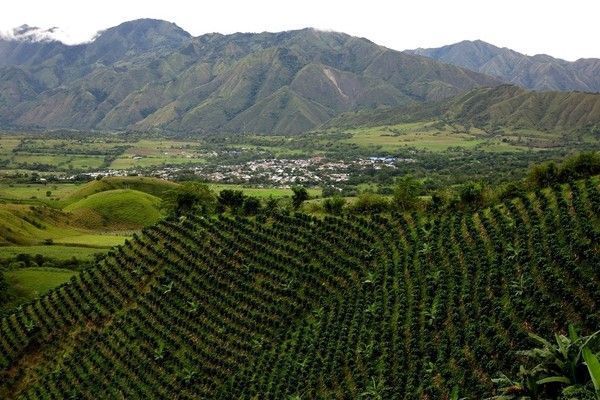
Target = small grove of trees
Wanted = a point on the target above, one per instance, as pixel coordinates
(187, 196)
(200, 197)
(231, 200)
(27, 260)
(550, 173)
(566, 369)
(236, 202)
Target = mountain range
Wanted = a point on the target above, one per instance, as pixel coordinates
(151, 75)
(491, 107)
(538, 72)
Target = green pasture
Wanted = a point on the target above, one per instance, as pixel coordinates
(261, 192)
(28, 283)
(57, 252)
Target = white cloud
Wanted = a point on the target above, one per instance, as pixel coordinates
(562, 29)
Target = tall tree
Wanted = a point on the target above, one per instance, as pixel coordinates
(406, 193)
(300, 196)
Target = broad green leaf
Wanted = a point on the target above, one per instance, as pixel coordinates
(593, 365)
(573, 333)
(540, 339)
(554, 379)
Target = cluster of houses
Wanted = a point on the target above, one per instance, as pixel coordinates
(275, 171)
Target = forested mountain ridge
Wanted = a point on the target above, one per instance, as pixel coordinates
(504, 106)
(538, 72)
(150, 74)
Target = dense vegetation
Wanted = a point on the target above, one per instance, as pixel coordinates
(404, 306)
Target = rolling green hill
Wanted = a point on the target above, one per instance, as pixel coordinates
(400, 307)
(151, 75)
(154, 186)
(116, 209)
(97, 205)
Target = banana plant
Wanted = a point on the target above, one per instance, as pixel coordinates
(565, 366)
(375, 390)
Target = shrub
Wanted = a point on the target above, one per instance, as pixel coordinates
(471, 195)
(543, 175)
(300, 196)
(370, 203)
(334, 205)
(406, 193)
(251, 206)
(231, 199)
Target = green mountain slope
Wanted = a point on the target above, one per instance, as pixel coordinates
(397, 307)
(539, 72)
(486, 108)
(149, 74)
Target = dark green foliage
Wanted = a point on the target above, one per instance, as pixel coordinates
(579, 166)
(294, 306)
(271, 206)
(229, 199)
(406, 193)
(334, 205)
(511, 190)
(251, 206)
(299, 196)
(370, 203)
(3, 289)
(556, 369)
(471, 195)
(187, 196)
(543, 175)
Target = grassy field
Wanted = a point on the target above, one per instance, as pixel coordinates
(63, 194)
(55, 251)
(65, 162)
(28, 283)
(261, 192)
(38, 191)
(93, 240)
(153, 153)
(90, 153)
(116, 209)
(431, 137)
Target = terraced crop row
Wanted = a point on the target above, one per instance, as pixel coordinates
(401, 307)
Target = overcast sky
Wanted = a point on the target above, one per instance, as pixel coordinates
(567, 29)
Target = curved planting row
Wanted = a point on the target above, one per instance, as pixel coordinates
(399, 307)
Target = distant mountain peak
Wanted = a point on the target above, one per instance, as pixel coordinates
(538, 72)
(145, 26)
